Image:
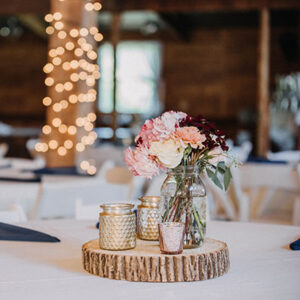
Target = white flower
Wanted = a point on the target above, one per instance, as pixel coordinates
(218, 155)
(169, 152)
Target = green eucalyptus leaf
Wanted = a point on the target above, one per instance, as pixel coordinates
(227, 178)
(214, 178)
(222, 166)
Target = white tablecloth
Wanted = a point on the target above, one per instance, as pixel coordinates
(262, 267)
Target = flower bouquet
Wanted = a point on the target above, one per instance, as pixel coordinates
(186, 147)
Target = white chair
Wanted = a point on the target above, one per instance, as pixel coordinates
(3, 149)
(13, 215)
(288, 156)
(272, 177)
(86, 212)
(59, 193)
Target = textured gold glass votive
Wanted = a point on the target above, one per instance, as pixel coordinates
(148, 218)
(117, 226)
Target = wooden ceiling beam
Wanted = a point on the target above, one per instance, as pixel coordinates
(197, 5)
(9, 7)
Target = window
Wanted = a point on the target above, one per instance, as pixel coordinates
(138, 77)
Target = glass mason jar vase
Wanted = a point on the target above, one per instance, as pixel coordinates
(183, 199)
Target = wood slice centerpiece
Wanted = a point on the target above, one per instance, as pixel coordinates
(146, 263)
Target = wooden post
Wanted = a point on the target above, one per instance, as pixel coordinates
(115, 37)
(74, 16)
(263, 84)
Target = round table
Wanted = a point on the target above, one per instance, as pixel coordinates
(262, 266)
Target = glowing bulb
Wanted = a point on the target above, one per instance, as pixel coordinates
(56, 122)
(98, 37)
(68, 144)
(49, 30)
(84, 32)
(89, 6)
(81, 41)
(56, 61)
(84, 165)
(49, 81)
(53, 144)
(92, 55)
(48, 18)
(66, 66)
(62, 35)
(74, 77)
(68, 86)
(70, 46)
(96, 74)
(90, 81)
(83, 75)
(52, 53)
(78, 52)
(88, 127)
(80, 147)
(48, 68)
(47, 101)
(59, 87)
(93, 30)
(57, 107)
(62, 151)
(97, 6)
(92, 117)
(73, 99)
(72, 130)
(74, 64)
(46, 129)
(87, 47)
(79, 122)
(57, 16)
(59, 25)
(93, 91)
(92, 170)
(93, 135)
(64, 104)
(60, 50)
(74, 33)
(62, 128)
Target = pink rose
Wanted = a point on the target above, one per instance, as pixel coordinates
(160, 128)
(140, 163)
(190, 135)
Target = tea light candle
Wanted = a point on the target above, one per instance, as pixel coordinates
(171, 235)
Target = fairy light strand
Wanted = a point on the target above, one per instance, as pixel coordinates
(82, 68)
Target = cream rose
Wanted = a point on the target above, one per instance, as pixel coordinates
(168, 152)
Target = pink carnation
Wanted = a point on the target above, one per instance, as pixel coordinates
(160, 128)
(190, 135)
(140, 163)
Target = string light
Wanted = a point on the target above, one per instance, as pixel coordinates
(97, 6)
(81, 67)
(49, 30)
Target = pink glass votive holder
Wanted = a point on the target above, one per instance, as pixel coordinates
(171, 235)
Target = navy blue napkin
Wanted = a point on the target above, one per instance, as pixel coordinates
(58, 171)
(10, 232)
(295, 245)
(34, 179)
(263, 160)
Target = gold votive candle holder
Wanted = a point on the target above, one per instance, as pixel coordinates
(148, 218)
(117, 228)
(171, 235)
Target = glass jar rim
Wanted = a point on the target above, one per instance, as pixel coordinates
(117, 208)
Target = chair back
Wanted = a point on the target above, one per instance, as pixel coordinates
(15, 214)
